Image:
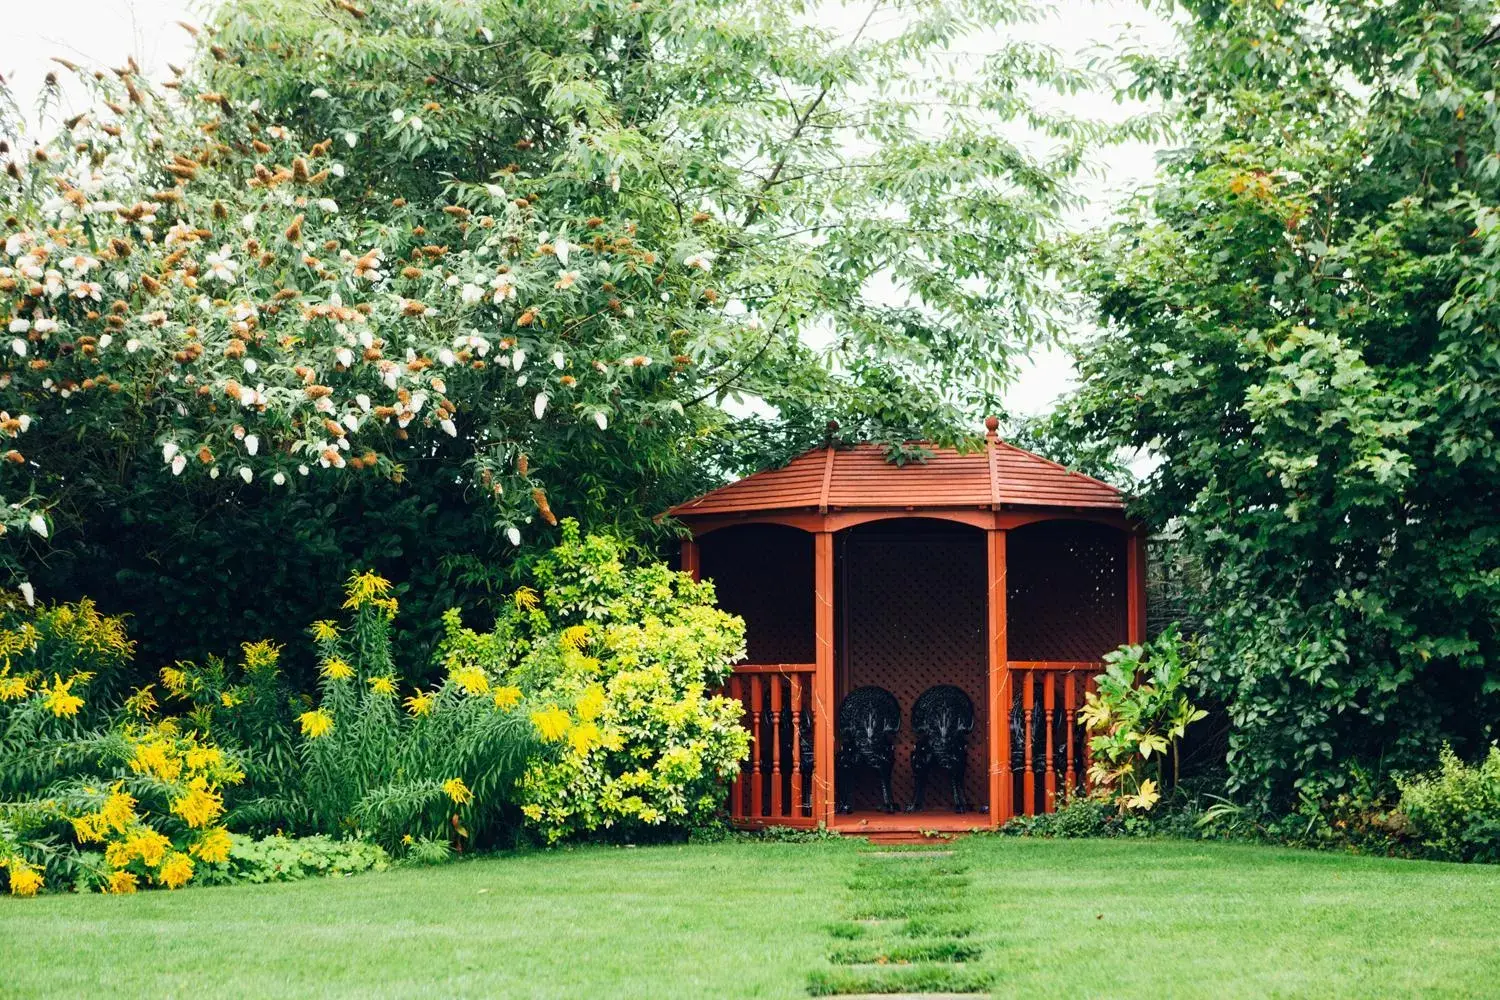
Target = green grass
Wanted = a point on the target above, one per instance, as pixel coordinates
(1118, 919)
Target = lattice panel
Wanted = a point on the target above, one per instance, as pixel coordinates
(912, 603)
(1065, 592)
(764, 573)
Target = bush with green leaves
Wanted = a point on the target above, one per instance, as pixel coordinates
(1135, 717)
(620, 663)
(291, 859)
(1455, 810)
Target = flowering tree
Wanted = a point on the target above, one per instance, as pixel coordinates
(512, 252)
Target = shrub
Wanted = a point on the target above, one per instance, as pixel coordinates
(618, 663)
(290, 859)
(1455, 811)
(1139, 712)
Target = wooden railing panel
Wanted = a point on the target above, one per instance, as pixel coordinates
(1047, 753)
(776, 781)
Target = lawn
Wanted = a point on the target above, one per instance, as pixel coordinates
(1025, 918)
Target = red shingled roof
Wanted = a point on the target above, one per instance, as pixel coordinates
(860, 477)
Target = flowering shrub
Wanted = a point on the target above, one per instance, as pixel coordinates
(617, 663)
(114, 803)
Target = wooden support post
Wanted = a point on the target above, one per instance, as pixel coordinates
(795, 684)
(1050, 705)
(823, 704)
(777, 764)
(1028, 714)
(1001, 807)
(690, 557)
(1135, 584)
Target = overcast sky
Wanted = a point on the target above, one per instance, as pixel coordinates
(107, 31)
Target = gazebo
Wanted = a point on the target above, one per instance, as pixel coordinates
(995, 571)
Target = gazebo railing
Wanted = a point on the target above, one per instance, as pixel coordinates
(1044, 749)
(775, 784)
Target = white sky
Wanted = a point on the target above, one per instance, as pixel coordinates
(106, 31)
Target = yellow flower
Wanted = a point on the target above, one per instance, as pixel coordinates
(420, 703)
(507, 697)
(526, 599)
(60, 698)
(552, 723)
(176, 871)
(325, 631)
(199, 806)
(199, 758)
(458, 791)
(365, 587)
(88, 829)
(153, 758)
(145, 843)
(262, 655)
(470, 680)
(229, 699)
(336, 669)
(214, 845)
(583, 737)
(13, 687)
(24, 880)
(143, 702)
(591, 704)
(118, 811)
(383, 686)
(575, 637)
(175, 680)
(122, 883)
(315, 723)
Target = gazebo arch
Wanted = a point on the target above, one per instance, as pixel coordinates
(996, 571)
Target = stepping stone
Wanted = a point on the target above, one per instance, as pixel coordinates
(906, 854)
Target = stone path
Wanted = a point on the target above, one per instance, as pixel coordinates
(907, 933)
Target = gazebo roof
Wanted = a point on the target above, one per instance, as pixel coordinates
(859, 477)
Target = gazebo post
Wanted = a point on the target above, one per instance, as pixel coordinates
(823, 706)
(999, 681)
(1135, 588)
(690, 557)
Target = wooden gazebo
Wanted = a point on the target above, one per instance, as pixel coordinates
(996, 571)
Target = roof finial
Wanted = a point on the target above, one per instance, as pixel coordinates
(991, 425)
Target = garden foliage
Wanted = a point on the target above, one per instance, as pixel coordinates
(1455, 811)
(1299, 323)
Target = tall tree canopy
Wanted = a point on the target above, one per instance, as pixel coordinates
(398, 283)
(1301, 323)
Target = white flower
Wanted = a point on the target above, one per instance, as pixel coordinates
(86, 290)
(514, 535)
(248, 223)
(132, 345)
(471, 294)
(614, 182)
(703, 261)
(414, 123)
(566, 280)
(19, 325)
(363, 401)
(319, 92)
(213, 473)
(221, 265)
(345, 357)
(504, 286)
(302, 470)
(447, 358)
(28, 592)
(246, 474)
(19, 346)
(449, 427)
(540, 406)
(558, 360)
(328, 205)
(250, 365)
(38, 523)
(350, 139)
(517, 360)
(168, 450)
(178, 464)
(397, 114)
(601, 420)
(252, 444)
(337, 169)
(279, 479)
(494, 190)
(80, 263)
(561, 248)
(104, 340)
